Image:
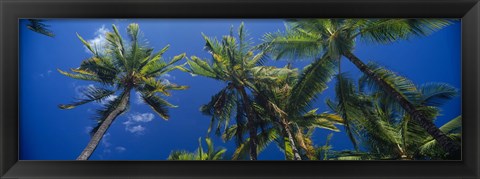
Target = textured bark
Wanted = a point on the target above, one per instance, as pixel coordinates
(250, 123)
(92, 145)
(453, 148)
(288, 133)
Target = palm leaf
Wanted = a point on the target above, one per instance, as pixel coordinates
(159, 105)
(91, 94)
(389, 30)
(312, 80)
(436, 94)
(38, 26)
(91, 77)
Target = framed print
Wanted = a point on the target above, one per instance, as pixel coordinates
(239, 89)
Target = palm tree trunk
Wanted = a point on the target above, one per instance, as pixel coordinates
(92, 145)
(288, 133)
(250, 123)
(453, 149)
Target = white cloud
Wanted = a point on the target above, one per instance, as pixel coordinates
(108, 99)
(88, 129)
(144, 117)
(105, 140)
(138, 129)
(48, 73)
(120, 149)
(138, 98)
(99, 41)
(91, 111)
(80, 89)
(166, 76)
(166, 81)
(107, 147)
(134, 122)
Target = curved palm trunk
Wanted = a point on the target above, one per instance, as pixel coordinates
(92, 145)
(447, 143)
(288, 133)
(250, 124)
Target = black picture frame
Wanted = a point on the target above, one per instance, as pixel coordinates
(12, 10)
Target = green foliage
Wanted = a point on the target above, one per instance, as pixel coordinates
(278, 100)
(430, 147)
(400, 84)
(383, 127)
(287, 99)
(235, 61)
(263, 140)
(333, 38)
(437, 94)
(312, 81)
(91, 94)
(310, 38)
(200, 154)
(123, 66)
(38, 26)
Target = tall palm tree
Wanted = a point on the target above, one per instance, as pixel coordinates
(38, 26)
(200, 154)
(123, 68)
(232, 63)
(336, 38)
(383, 126)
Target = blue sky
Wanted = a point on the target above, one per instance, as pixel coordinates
(48, 133)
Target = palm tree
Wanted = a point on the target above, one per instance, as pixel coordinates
(282, 99)
(286, 100)
(383, 126)
(336, 38)
(38, 26)
(123, 69)
(211, 153)
(430, 148)
(232, 62)
(427, 149)
(322, 152)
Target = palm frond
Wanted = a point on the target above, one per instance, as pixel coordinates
(201, 67)
(436, 94)
(80, 76)
(312, 80)
(292, 44)
(159, 105)
(400, 84)
(263, 140)
(91, 94)
(38, 26)
(117, 47)
(390, 30)
(452, 126)
(86, 44)
(324, 120)
(221, 107)
(101, 67)
(200, 154)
